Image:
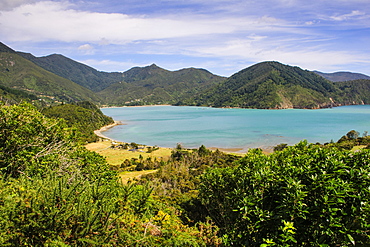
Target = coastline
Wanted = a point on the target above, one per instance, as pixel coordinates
(100, 131)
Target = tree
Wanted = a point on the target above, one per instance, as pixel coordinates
(353, 134)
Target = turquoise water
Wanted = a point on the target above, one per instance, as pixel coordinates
(165, 126)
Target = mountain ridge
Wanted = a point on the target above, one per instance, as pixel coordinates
(342, 76)
(19, 73)
(273, 85)
(266, 85)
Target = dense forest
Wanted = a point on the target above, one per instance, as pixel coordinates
(54, 192)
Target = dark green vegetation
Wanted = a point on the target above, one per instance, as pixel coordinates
(83, 115)
(53, 192)
(305, 195)
(13, 96)
(355, 92)
(267, 85)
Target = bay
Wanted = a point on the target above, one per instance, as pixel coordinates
(239, 129)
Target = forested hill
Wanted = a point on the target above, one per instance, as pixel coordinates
(77, 72)
(154, 85)
(272, 85)
(267, 85)
(19, 73)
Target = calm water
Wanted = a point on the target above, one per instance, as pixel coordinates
(166, 126)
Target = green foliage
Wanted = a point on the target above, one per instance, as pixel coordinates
(14, 96)
(355, 92)
(322, 192)
(54, 192)
(177, 180)
(84, 116)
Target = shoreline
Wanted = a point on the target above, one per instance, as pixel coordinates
(235, 107)
(105, 128)
(240, 150)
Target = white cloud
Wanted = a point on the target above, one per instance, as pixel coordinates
(110, 65)
(55, 21)
(232, 31)
(354, 13)
(86, 49)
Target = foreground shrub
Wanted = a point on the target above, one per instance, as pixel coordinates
(54, 192)
(304, 196)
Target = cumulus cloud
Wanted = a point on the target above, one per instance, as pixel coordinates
(11, 4)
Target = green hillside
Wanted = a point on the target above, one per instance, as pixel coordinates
(267, 85)
(77, 72)
(19, 73)
(154, 85)
(84, 116)
(272, 85)
(13, 96)
(355, 92)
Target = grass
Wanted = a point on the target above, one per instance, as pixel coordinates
(126, 176)
(115, 156)
(357, 148)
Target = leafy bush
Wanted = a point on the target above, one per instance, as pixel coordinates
(305, 195)
(54, 192)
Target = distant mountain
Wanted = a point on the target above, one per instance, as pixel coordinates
(19, 73)
(266, 85)
(342, 76)
(155, 85)
(77, 72)
(272, 85)
(4, 48)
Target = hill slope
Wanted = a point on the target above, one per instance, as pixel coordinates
(77, 72)
(154, 85)
(83, 115)
(355, 92)
(272, 85)
(19, 73)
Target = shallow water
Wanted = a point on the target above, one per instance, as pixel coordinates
(165, 126)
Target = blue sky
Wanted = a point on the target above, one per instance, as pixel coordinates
(222, 36)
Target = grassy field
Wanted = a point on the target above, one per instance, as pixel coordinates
(115, 156)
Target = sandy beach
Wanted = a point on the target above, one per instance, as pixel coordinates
(99, 132)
